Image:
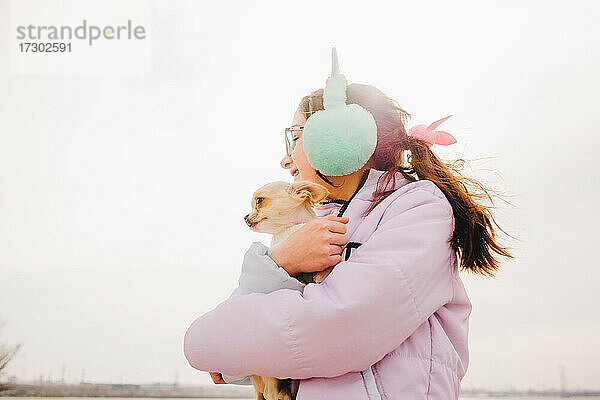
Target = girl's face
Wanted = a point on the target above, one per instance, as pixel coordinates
(298, 164)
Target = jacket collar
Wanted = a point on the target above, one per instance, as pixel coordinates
(364, 192)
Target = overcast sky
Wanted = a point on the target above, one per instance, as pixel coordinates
(122, 194)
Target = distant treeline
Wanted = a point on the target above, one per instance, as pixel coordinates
(126, 390)
(212, 391)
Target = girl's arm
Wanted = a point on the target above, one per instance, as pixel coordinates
(365, 308)
(260, 274)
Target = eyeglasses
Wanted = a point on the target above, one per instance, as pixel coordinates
(290, 138)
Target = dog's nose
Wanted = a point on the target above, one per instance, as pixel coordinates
(246, 217)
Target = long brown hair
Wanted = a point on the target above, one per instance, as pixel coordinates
(474, 238)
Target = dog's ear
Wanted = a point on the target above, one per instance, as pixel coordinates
(308, 191)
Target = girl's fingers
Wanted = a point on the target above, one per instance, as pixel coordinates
(335, 250)
(217, 378)
(338, 239)
(333, 260)
(336, 227)
(343, 220)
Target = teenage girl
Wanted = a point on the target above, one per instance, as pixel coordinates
(391, 319)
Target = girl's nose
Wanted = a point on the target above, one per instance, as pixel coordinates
(286, 162)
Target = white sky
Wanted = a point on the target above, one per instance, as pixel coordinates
(122, 195)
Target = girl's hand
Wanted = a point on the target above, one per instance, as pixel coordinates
(314, 247)
(217, 378)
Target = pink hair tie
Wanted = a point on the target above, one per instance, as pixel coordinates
(430, 136)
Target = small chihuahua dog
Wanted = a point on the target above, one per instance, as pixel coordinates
(281, 208)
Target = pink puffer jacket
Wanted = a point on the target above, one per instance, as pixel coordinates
(396, 304)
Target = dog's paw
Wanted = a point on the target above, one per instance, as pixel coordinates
(283, 396)
(321, 275)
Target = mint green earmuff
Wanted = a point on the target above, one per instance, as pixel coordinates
(341, 138)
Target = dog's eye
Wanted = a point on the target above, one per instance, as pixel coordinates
(259, 200)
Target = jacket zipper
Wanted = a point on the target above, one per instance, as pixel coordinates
(370, 384)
